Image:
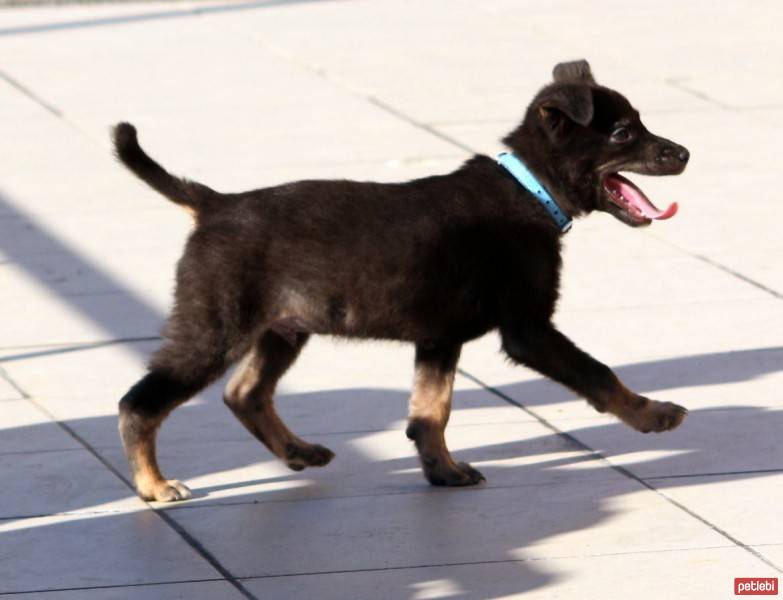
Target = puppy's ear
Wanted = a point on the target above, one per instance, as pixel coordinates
(572, 101)
(576, 71)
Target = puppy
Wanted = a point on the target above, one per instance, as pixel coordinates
(436, 262)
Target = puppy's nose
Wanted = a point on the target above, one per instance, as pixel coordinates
(673, 152)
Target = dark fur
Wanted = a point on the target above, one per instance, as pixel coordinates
(436, 261)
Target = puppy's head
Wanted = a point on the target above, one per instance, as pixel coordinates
(581, 135)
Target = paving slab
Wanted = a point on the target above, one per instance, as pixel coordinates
(744, 504)
(709, 441)
(26, 428)
(74, 482)
(89, 318)
(81, 551)
(8, 391)
(202, 590)
(771, 115)
(689, 574)
(773, 552)
(422, 529)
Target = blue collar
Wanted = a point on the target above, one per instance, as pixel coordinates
(524, 176)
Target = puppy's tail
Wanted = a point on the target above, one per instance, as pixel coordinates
(189, 194)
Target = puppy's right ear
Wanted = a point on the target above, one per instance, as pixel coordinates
(574, 102)
(576, 71)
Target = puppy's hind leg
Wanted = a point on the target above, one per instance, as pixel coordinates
(249, 395)
(178, 371)
(430, 407)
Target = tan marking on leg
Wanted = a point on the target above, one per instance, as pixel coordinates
(244, 379)
(249, 395)
(139, 443)
(641, 413)
(431, 397)
(429, 411)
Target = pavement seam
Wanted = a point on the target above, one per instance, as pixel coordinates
(322, 73)
(721, 267)
(53, 349)
(191, 541)
(682, 85)
(25, 91)
(418, 124)
(40, 102)
(623, 471)
(714, 474)
(189, 10)
(7, 378)
(47, 451)
(109, 587)
(485, 562)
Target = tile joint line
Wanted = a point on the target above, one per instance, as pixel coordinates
(622, 470)
(718, 265)
(170, 521)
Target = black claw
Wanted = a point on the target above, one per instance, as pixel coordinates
(436, 479)
(464, 475)
(299, 457)
(474, 475)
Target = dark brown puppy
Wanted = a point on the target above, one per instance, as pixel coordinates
(436, 261)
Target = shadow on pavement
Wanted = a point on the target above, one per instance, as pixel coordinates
(406, 520)
(362, 512)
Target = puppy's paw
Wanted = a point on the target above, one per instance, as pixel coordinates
(166, 491)
(441, 473)
(656, 416)
(299, 456)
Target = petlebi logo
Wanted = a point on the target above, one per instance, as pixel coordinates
(755, 586)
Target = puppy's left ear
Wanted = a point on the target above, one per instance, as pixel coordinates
(572, 101)
(576, 71)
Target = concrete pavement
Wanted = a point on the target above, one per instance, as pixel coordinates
(243, 95)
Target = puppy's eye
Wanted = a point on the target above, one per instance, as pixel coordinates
(621, 135)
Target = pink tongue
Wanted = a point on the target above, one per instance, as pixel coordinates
(636, 198)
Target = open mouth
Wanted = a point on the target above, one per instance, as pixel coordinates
(636, 206)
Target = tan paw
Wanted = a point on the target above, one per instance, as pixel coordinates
(441, 473)
(299, 456)
(166, 491)
(656, 416)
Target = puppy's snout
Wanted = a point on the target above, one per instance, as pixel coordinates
(673, 154)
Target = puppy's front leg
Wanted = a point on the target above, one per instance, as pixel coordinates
(545, 349)
(430, 407)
